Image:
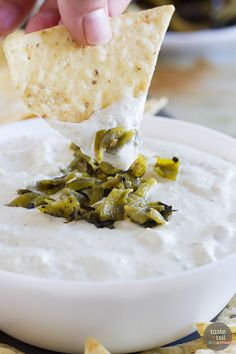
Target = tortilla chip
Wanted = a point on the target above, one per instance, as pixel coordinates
(61, 80)
(186, 348)
(6, 349)
(154, 105)
(94, 347)
(2, 56)
(229, 350)
(11, 107)
(228, 315)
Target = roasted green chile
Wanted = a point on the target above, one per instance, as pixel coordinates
(111, 141)
(99, 193)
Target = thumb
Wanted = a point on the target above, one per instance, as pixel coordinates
(87, 20)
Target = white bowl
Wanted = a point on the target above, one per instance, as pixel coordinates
(200, 40)
(124, 316)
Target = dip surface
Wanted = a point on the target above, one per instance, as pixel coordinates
(202, 230)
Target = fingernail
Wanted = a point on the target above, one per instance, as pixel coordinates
(9, 14)
(97, 27)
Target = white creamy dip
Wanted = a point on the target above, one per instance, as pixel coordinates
(202, 230)
(127, 113)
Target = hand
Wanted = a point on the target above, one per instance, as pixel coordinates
(87, 20)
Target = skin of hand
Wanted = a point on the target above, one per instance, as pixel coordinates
(87, 20)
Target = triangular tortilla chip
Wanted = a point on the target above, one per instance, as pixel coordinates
(2, 56)
(92, 346)
(61, 80)
(6, 349)
(11, 107)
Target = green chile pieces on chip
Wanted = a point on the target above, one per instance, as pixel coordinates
(111, 141)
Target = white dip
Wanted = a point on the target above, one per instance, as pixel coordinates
(127, 113)
(201, 231)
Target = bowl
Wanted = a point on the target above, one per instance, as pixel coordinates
(126, 316)
(200, 40)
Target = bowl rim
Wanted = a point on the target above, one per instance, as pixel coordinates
(127, 283)
(114, 284)
(200, 38)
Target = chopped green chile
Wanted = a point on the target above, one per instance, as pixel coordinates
(82, 162)
(121, 181)
(164, 209)
(112, 208)
(23, 191)
(139, 167)
(145, 187)
(135, 200)
(67, 208)
(115, 138)
(94, 194)
(81, 183)
(98, 146)
(167, 168)
(41, 199)
(144, 215)
(81, 197)
(99, 193)
(114, 182)
(92, 217)
(52, 186)
(130, 181)
(24, 200)
(111, 141)
(29, 200)
(126, 138)
(108, 169)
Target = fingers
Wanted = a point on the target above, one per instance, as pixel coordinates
(48, 16)
(87, 20)
(117, 7)
(12, 14)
